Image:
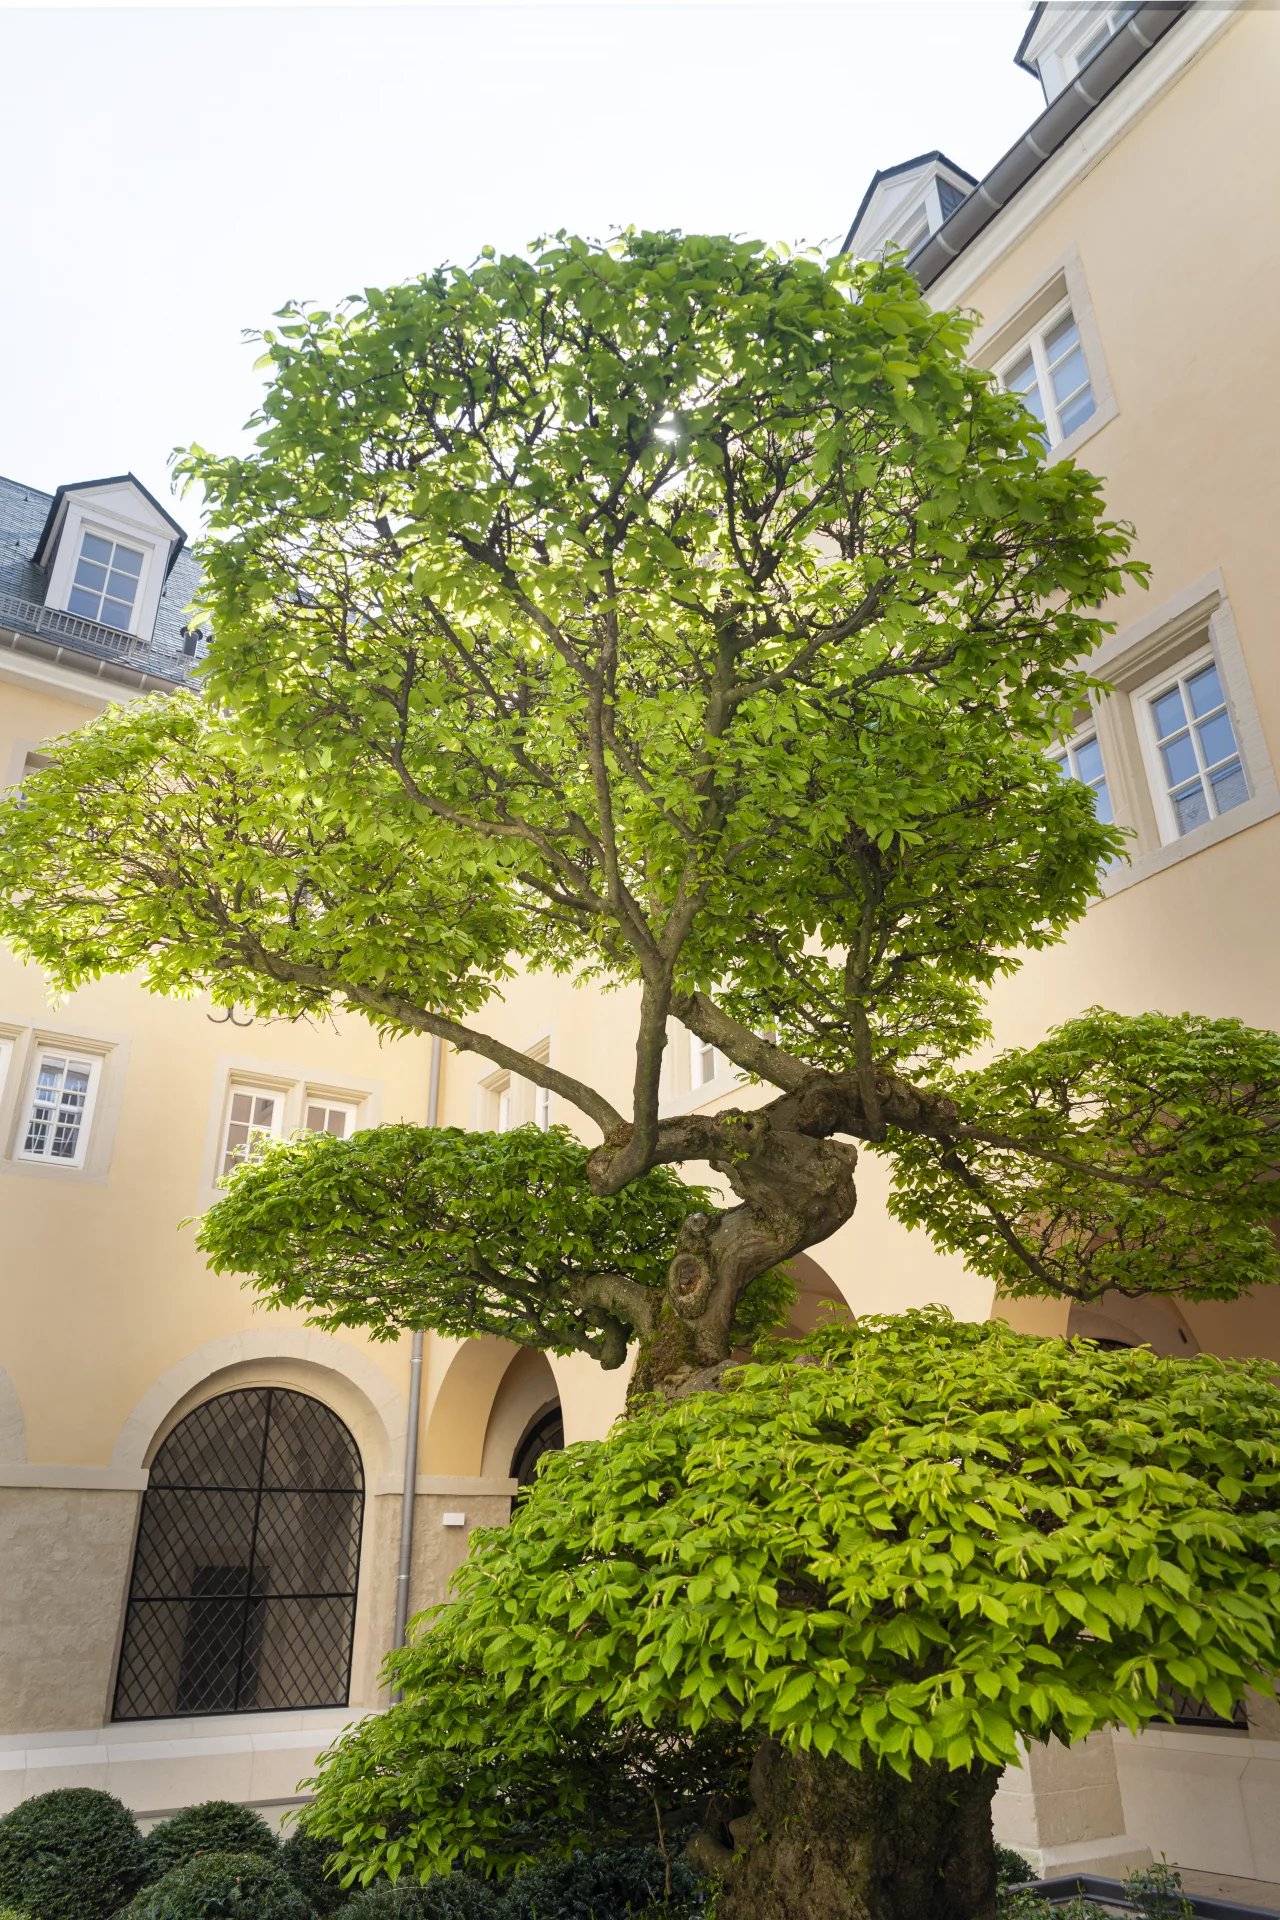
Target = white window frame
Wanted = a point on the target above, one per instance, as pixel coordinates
(7, 1039)
(498, 1110)
(1177, 673)
(704, 1063)
(256, 1090)
(1033, 342)
(87, 531)
(1069, 749)
(70, 1055)
(1112, 18)
(331, 1103)
(540, 1051)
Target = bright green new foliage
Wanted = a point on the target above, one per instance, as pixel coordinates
(907, 1539)
(466, 1232)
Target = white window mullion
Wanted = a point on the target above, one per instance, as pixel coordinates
(254, 1116)
(59, 1107)
(1039, 361)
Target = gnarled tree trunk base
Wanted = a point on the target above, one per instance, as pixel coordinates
(826, 1841)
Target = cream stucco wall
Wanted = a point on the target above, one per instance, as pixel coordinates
(110, 1326)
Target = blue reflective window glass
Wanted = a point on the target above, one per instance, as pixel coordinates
(96, 549)
(1217, 739)
(128, 560)
(1168, 712)
(1180, 762)
(1204, 690)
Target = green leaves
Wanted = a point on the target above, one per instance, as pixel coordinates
(1126, 1154)
(902, 1539)
(466, 1233)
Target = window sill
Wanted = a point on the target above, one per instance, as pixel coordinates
(1102, 416)
(1142, 866)
(674, 1105)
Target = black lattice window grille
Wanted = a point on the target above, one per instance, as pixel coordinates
(545, 1435)
(1188, 1712)
(243, 1592)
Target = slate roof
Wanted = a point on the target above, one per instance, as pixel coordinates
(23, 513)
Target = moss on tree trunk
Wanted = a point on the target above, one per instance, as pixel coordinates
(826, 1841)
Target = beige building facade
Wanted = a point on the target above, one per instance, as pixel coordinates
(1124, 265)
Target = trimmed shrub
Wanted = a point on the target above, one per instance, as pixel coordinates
(222, 1886)
(73, 1854)
(302, 1857)
(449, 1896)
(214, 1826)
(1011, 1868)
(604, 1885)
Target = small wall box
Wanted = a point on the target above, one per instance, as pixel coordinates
(455, 1519)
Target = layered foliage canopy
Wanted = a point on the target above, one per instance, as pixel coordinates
(469, 1233)
(691, 618)
(904, 1540)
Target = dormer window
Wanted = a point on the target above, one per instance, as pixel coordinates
(906, 205)
(104, 586)
(106, 549)
(1061, 40)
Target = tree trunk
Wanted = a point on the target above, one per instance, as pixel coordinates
(826, 1841)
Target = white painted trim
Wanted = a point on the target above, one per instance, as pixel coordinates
(72, 1056)
(240, 1071)
(98, 1135)
(260, 1346)
(84, 686)
(1110, 120)
(117, 513)
(1171, 632)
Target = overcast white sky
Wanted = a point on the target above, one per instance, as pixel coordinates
(175, 174)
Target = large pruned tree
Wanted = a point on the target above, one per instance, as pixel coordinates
(693, 620)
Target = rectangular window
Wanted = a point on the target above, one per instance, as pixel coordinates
(1081, 759)
(322, 1115)
(253, 1117)
(1050, 374)
(702, 1062)
(105, 587)
(499, 1104)
(1110, 22)
(541, 1095)
(55, 1127)
(1192, 752)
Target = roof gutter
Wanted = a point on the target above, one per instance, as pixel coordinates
(1043, 138)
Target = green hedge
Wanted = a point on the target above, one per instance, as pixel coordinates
(222, 1886)
(214, 1826)
(74, 1854)
(303, 1858)
(604, 1885)
(448, 1897)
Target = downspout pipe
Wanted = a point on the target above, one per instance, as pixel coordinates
(409, 1488)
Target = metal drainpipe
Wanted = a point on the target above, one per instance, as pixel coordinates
(409, 1490)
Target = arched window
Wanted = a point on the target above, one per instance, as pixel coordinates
(545, 1435)
(243, 1594)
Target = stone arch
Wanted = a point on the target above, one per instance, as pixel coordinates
(13, 1426)
(818, 1299)
(315, 1363)
(526, 1393)
(1147, 1322)
(453, 1442)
